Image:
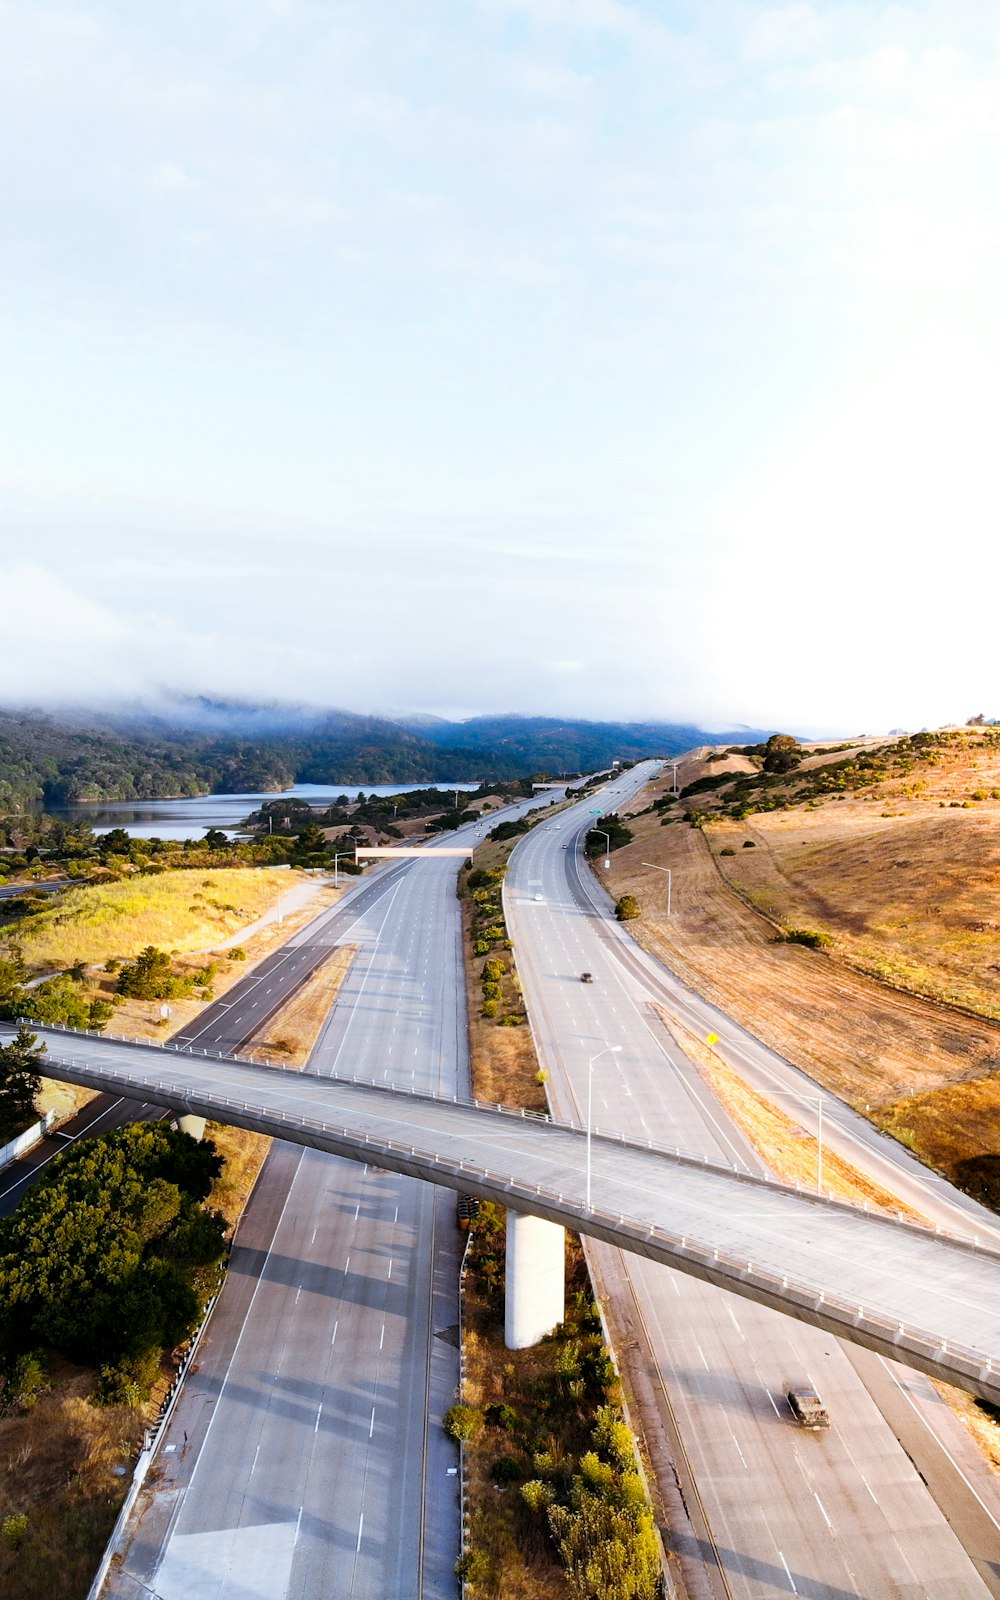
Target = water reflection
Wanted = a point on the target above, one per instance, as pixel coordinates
(191, 819)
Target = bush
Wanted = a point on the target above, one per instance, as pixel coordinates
(728, 851)
(237, 953)
(502, 1416)
(749, 844)
(494, 969)
(537, 1496)
(627, 908)
(514, 1021)
(492, 991)
(491, 1008)
(474, 1567)
(481, 947)
(809, 937)
(15, 1531)
(506, 1469)
(462, 1421)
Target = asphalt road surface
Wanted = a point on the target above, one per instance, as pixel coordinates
(765, 1509)
(306, 1457)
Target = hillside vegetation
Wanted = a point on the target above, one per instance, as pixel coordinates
(199, 748)
(179, 911)
(823, 871)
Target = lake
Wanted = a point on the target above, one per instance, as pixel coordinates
(191, 819)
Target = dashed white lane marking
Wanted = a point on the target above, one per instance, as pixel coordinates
(334, 1339)
(788, 1575)
(822, 1507)
(371, 1425)
(361, 1523)
(318, 1415)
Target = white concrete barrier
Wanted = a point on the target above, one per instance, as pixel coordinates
(27, 1140)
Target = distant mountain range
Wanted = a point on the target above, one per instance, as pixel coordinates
(200, 746)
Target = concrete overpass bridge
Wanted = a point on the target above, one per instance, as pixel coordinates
(925, 1298)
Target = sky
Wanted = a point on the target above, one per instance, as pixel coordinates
(607, 358)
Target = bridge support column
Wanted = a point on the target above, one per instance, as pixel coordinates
(195, 1126)
(535, 1290)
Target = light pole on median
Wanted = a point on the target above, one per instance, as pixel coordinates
(670, 879)
(336, 874)
(609, 1049)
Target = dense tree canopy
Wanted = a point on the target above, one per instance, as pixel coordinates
(102, 1257)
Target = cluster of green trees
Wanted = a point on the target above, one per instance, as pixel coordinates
(112, 1254)
(617, 835)
(150, 976)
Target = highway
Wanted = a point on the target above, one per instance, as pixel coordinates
(305, 1456)
(758, 1508)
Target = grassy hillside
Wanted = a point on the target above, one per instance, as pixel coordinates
(829, 866)
(191, 909)
(198, 748)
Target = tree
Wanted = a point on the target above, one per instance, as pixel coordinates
(19, 1082)
(781, 753)
(216, 839)
(149, 977)
(114, 843)
(310, 840)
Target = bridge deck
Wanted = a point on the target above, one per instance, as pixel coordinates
(926, 1299)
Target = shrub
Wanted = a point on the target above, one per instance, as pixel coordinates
(506, 1469)
(502, 1416)
(514, 1021)
(474, 1566)
(491, 1008)
(494, 969)
(15, 1530)
(462, 1421)
(492, 991)
(481, 947)
(627, 908)
(749, 844)
(728, 851)
(237, 953)
(537, 1495)
(810, 937)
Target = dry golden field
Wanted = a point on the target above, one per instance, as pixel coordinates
(829, 867)
(192, 909)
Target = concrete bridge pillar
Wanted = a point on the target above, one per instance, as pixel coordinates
(535, 1290)
(195, 1126)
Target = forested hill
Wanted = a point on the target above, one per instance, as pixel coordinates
(202, 747)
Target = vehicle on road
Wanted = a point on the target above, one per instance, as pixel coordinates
(586, 977)
(540, 897)
(807, 1408)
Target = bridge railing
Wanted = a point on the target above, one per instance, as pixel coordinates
(891, 1218)
(714, 1264)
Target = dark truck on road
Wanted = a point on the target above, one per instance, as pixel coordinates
(807, 1408)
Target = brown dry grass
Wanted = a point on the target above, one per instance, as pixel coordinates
(863, 1040)
(950, 1124)
(789, 1150)
(57, 1467)
(291, 1033)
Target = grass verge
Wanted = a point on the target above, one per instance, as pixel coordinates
(553, 1493)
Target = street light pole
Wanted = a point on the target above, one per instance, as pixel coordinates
(609, 1049)
(607, 844)
(670, 879)
(336, 875)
